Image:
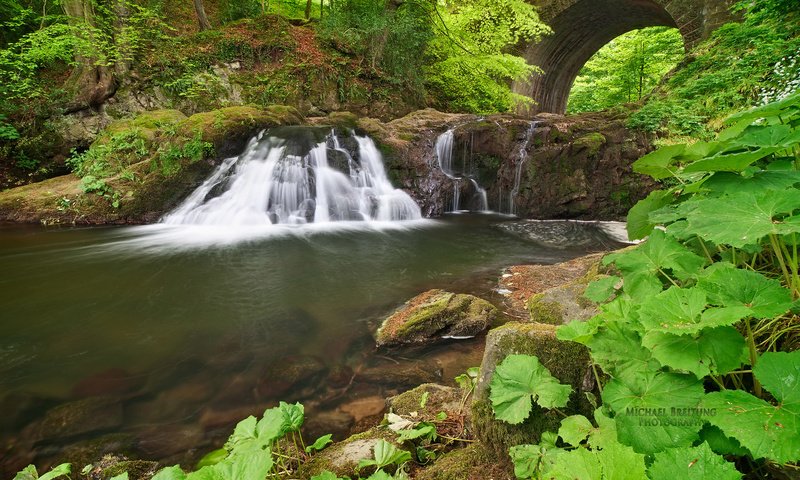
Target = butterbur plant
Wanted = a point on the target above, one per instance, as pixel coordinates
(697, 335)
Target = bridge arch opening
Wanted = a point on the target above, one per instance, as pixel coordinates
(583, 27)
(626, 69)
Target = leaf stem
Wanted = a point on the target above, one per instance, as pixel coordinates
(751, 343)
(597, 378)
(779, 255)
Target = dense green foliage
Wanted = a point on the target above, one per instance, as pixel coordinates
(456, 49)
(741, 65)
(697, 339)
(626, 69)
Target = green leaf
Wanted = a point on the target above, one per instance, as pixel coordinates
(744, 218)
(121, 476)
(648, 410)
(293, 416)
(642, 266)
(727, 183)
(212, 458)
(423, 430)
(681, 311)
(659, 164)
(244, 430)
(579, 331)
(691, 463)
(518, 380)
(730, 162)
(639, 224)
(380, 475)
(576, 464)
(171, 473)
(64, 470)
(209, 473)
(721, 443)
(27, 473)
(326, 475)
(271, 426)
(616, 337)
(715, 350)
(320, 443)
(255, 464)
(574, 429)
(730, 286)
(529, 460)
(385, 454)
(766, 430)
(601, 289)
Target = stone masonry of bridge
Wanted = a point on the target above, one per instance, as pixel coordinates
(582, 27)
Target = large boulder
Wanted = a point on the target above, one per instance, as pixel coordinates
(436, 315)
(568, 362)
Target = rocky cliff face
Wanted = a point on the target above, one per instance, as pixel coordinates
(550, 167)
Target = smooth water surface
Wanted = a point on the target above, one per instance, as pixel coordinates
(173, 304)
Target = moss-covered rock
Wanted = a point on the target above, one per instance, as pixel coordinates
(474, 462)
(147, 123)
(226, 128)
(427, 400)
(569, 362)
(142, 167)
(342, 457)
(562, 304)
(592, 142)
(434, 315)
(137, 470)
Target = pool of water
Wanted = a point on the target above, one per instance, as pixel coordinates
(185, 329)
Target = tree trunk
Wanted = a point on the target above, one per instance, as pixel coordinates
(92, 84)
(201, 15)
(308, 9)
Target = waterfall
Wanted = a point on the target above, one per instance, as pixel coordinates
(522, 155)
(444, 155)
(277, 180)
(483, 200)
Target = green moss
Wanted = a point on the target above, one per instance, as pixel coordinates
(473, 461)
(137, 469)
(543, 311)
(342, 457)
(146, 124)
(438, 398)
(345, 120)
(591, 141)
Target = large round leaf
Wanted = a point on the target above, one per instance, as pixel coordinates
(517, 382)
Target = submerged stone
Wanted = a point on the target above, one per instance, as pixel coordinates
(436, 315)
(75, 418)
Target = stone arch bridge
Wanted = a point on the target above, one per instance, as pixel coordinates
(582, 27)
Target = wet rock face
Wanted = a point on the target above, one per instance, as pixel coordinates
(550, 166)
(436, 315)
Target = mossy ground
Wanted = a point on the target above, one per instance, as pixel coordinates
(142, 166)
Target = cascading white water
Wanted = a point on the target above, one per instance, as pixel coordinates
(523, 154)
(483, 199)
(270, 183)
(444, 155)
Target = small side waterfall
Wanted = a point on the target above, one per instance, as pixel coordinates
(522, 156)
(444, 155)
(278, 180)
